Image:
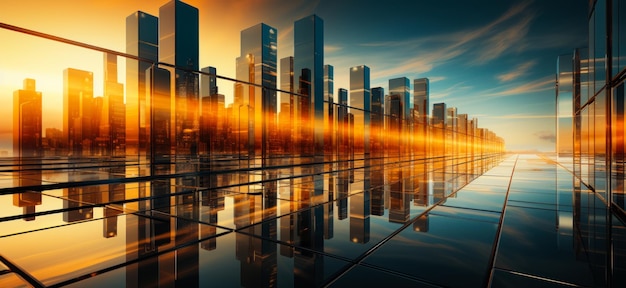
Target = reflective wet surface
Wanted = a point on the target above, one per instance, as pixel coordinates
(499, 221)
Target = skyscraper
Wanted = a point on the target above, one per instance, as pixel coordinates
(438, 132)
(27, 146)
(462, 133)
(142, 40)
(400, 86)
(178, 45)
(420, 99)
(564, 107)
(257, 64)
(329, 108)
(27, 121)
(212, 110)
(309, 74)
(113, 117)
(393, 113)
(286, 117)
(451, 118)
(360, 103)
(342, 122)
(377, 121)
(439, 114)
(451, 129)
(421, 111)
(77, 111)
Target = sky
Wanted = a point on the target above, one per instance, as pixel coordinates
(493, 60)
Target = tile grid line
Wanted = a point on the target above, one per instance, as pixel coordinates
(494, 251)
(359, 260)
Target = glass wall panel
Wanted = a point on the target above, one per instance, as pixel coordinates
(599, 49)
(619, 36)
(564, 107)
(591, 62)
(584, 147)
(600, 144)
(617, 146)
(591, 144)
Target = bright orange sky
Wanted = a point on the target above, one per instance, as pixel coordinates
(102, 23)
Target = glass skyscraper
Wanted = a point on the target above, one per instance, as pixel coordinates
(212, 114)
(421, 111)
(309, 76)
(27, 121)
(178, 45)
(142, 40)
(113, 119)
(343, 128)
(401, 86)
(78, 111)
(564, 107)
(360, 106)
(258, 55)
(329, 107)
(439, 114)
(377, 119)
(420, 99)
(286, 118)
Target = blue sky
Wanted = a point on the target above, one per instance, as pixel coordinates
(494, 60)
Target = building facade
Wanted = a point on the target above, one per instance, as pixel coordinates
(360, 106)
(309, 80)
(257, 64)
(179, 46)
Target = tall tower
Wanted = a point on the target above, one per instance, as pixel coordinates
(421, 110)
(421, 88)
(77, 111)
(27, 148)
(212, 106)
(439, 114)
(309, 76)
(360, 103)
(286, 117)
(257, 64)
(342, 122)
(329, 107)
(142, 40)
(377, 118)
(178, 45)
(564, 107)
(27, 121)
(451, 130)
(113, 121)
(399, 88)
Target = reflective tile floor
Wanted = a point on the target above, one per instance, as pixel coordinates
(505, 221)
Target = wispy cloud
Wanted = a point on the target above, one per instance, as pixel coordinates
(499, 42)
(519, 116)
(520, 70)
(546, 136)
(455, 89)
(331, 48)
(542, 84)
(433, 79)
(486, 43)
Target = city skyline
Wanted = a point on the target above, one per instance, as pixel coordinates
(529, 118)
(96, 126)
(349, 144)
